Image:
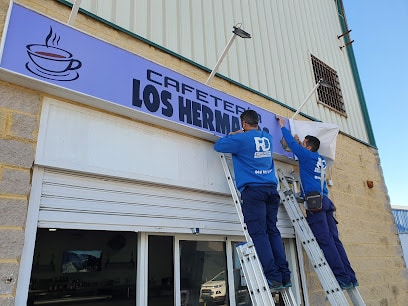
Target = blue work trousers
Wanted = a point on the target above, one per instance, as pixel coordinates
(260, 209)
(324, 227)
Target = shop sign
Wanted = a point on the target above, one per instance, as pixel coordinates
(46, 50)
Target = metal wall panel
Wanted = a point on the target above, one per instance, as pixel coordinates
(275, 62)
(119, 173)
(70, 199)
(84, 140)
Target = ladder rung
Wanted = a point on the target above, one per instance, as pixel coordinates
(330, 285)
(251, 266)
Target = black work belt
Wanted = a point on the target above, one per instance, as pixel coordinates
(260, 185)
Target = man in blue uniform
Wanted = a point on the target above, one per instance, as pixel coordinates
(322, 223)
(254, 169)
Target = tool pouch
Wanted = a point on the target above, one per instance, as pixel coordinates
(313, 201)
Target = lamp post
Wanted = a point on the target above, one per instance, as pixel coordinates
(74, 12)
(236, 32)
(321, 82)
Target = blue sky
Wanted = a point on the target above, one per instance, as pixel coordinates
(379, 29)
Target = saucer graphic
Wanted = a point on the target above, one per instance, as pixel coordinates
(69, 75)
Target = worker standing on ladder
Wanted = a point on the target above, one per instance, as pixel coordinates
(322, 222)
(255, 178)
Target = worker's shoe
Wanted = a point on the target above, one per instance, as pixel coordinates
(344, 285)
(274, 285)
(286, 283)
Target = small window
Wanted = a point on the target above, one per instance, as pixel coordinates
(329, 96)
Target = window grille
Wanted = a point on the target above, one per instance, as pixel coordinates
(331, 97)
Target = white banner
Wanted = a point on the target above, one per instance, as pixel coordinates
(326, 132)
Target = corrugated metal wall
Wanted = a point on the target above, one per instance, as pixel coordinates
(401, 219)
(275, 62)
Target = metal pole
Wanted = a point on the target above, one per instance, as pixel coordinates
(306, 99)
(74, 12)
(217, 65)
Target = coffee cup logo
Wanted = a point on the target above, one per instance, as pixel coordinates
(51, 62)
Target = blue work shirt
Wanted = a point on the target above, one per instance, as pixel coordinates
(252, 157)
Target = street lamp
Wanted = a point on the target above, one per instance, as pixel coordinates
(321, 82)
(74, 12)
(236, 32)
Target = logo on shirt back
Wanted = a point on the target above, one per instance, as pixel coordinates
(321, 164)
(263, 147)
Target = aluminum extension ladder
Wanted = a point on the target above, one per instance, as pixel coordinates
(256, 282)
(327, 279)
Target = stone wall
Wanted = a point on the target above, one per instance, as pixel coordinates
(19, 119)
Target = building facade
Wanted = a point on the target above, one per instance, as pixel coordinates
(111, 191)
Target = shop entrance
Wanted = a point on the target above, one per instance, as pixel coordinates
(93, 267)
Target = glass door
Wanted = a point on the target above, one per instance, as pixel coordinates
(186, 270)
(160, 271)
(203, 273)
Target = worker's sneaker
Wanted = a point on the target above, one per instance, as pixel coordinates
(344, 285)
(274, 285)
(286, 283)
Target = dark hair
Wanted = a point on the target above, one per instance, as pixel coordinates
(250, 116)
(313, 142)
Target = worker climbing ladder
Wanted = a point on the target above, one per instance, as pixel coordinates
(256, 282)
(327, 279)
